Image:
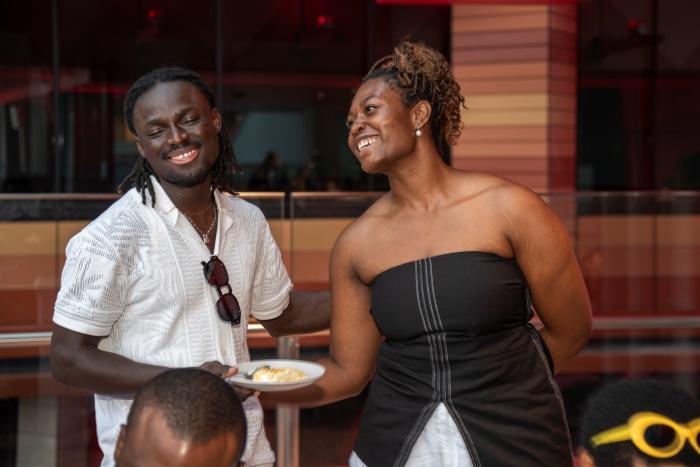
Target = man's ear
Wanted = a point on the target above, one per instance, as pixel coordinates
(216, 118)
(138, 145)
(585, 459)
(120, 443)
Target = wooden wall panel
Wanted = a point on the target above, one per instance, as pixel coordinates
(500, 39)
(28, 272)
(501, 70)
(534, 165)
(471, 11)
(493, 85)
(516, 66)
(499, 23)
(27, 238)
(505, 150)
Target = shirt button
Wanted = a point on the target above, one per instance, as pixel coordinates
(224, 352)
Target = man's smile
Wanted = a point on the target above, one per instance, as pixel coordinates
(183, 156)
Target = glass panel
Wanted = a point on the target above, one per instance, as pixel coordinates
(42, 422)
(303, 61)
(104, 48)
(26, 119)
(678, 97)
(639, 255)
(639, 95)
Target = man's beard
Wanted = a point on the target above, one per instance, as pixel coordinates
(193, 178)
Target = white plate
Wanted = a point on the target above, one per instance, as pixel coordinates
(314, 370)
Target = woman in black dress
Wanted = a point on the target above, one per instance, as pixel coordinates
(434, 286)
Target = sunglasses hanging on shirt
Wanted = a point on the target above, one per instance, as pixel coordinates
(216, 276)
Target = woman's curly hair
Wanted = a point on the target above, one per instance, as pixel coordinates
(225, 164)
(419, 72)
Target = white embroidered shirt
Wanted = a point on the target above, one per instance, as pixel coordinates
(135, 276)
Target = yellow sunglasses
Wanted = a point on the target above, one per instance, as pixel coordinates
(653, 434)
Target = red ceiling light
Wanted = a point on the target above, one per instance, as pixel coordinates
(155, 15)
(640, 28)
(482, 2)
(325, 22)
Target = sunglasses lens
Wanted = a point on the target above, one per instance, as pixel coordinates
(659, 436)
(228, 309)
(215, 273)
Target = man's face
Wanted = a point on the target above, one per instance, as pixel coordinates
(177, 133)
(150, 443)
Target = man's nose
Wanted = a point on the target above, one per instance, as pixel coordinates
(177, 135)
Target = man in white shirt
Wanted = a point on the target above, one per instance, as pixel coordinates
(145, 288)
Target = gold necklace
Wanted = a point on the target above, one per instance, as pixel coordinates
(205, 236)
(193, 213)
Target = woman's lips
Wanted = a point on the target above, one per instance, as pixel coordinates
(184, 157)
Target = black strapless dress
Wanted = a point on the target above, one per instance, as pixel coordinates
(457, 333)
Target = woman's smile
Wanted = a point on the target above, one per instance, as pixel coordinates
(366, 142)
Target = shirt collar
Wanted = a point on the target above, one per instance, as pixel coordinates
(167, 207)
(163, 202)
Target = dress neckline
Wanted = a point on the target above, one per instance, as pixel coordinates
(467, 252)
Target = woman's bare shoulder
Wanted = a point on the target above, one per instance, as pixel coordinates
(494, 190)
(359, 229)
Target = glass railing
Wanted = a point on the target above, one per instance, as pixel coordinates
(640, 258)
(42, 422)
(639, 254)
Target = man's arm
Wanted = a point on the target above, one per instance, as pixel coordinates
(307, 312)
(76, 361)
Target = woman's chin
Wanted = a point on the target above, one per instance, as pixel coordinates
(371, 167)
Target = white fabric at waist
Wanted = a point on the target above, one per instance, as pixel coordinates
(439, 445)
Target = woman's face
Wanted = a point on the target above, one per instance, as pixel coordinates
(382, 130)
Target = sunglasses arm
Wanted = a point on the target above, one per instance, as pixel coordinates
(613, 435)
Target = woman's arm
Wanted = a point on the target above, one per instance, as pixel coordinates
(544, 253)
(354, 337)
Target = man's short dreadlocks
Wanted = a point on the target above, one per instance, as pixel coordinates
(225, 164)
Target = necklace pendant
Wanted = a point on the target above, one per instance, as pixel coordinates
(206, 239)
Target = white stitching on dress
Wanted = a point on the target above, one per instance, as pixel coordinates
(448, 396)
(538, 345)
(430, 408)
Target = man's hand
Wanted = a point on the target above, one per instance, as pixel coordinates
(226, 371)
(219, 369)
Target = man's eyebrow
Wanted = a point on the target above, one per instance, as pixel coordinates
(179, 114)
(364, 100)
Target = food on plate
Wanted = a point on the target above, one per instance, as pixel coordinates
(265, 374)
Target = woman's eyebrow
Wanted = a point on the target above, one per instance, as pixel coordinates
(362, 102)
(367, 98)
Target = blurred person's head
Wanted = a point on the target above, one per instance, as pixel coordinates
(653, 412)
(179, 133)
(407, 98)
(183, 418)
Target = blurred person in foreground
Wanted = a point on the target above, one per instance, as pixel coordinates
(434, 285)
(641, 423)
(169, 275)
(183, 418)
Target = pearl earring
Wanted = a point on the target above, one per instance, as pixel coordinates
(418, 132)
